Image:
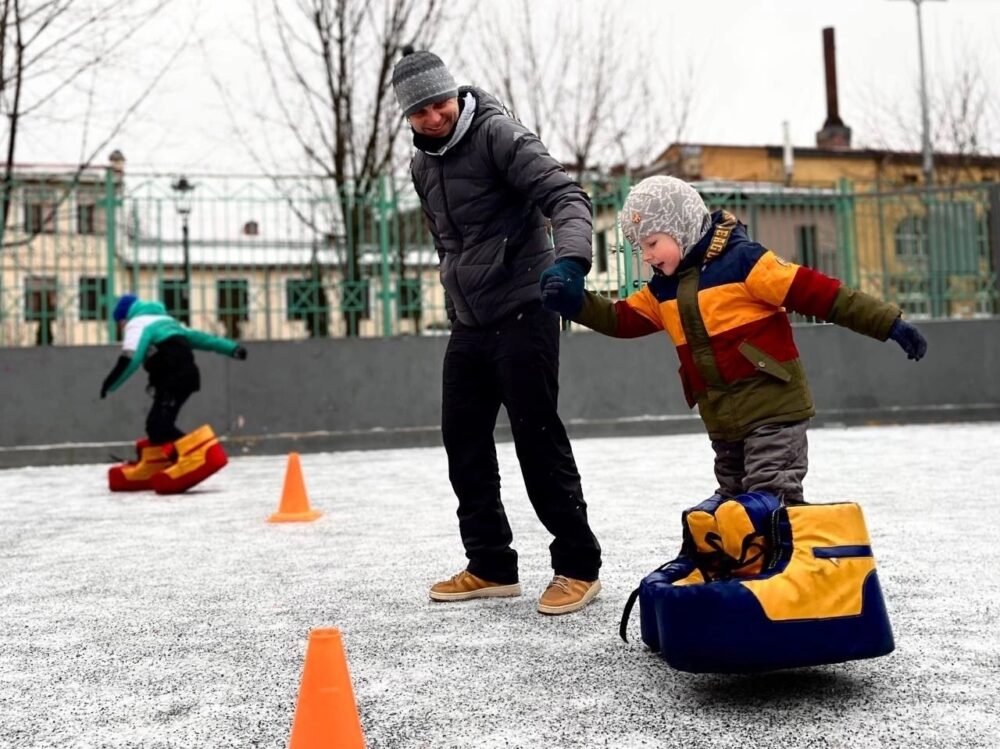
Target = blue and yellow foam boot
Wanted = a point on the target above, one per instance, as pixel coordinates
(759, 586)
(137, 475)
(199, 455)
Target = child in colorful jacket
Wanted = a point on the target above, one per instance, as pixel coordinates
(721, 298)
(164, 347)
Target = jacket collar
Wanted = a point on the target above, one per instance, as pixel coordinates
(715, 241)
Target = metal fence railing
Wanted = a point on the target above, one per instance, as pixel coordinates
(286, 258)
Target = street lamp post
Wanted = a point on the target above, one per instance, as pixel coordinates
(928, 160)
(183, 190)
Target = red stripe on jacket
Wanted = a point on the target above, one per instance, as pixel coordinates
(772, 334)
(812, 293)
(630, 324)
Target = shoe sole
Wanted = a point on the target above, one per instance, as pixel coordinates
(569, 608)
(494, 591)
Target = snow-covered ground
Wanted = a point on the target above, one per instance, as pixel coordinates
(146, 621)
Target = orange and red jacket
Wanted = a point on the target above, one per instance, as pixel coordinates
(724, 309)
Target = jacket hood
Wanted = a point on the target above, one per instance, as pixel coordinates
(141, 307)
(487, 105)
(697, 254)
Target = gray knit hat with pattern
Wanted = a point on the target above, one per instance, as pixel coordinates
(419, 79)
(668, 205)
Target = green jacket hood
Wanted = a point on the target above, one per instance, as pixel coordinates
(141, 307)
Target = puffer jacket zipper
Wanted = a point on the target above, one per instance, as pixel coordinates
(447, 210)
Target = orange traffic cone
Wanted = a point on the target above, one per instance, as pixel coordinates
(294, 506)
(326, 714)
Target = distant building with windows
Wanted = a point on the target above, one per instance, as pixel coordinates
(935, 250)
(866, 168)
(53, 253)
(251, 265)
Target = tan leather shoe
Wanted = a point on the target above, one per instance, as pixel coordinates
(465, 585)
(565, 595)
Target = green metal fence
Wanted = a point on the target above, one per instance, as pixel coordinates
(285, 258)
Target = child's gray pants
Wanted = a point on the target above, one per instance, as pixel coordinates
(773, 458)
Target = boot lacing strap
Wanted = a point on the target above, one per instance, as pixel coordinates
(561, 582)
(462, 579)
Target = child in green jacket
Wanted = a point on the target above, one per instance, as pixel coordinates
(155, 340)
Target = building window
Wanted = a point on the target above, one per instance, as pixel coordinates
(307, 301)
(89, 219)
(175, 297)
(94, 298)
(40, 294)
(805, 243)
(39, 297)
(251, 229)
(39, 217)
(910, 246)
(232, 303)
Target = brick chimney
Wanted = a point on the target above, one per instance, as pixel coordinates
(835, 134)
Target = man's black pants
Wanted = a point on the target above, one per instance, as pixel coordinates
(514, 362)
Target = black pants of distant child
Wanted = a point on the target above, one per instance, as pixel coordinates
(173, 377)
(514, 362)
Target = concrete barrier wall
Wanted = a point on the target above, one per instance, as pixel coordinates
(357, 394)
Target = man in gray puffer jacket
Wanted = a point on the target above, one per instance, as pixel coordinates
(487, 184)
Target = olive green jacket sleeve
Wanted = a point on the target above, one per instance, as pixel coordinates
(598, 313)
(863, 313)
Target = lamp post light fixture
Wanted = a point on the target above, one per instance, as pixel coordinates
(183, 190)
(925, 137)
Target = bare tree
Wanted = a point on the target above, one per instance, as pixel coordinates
(581, 87)
(521, 65)
(47, 47)
(965, 117)
(966, 123)
(328, 65)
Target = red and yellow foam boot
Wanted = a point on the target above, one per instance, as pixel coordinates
(136, 476)
(199, 455)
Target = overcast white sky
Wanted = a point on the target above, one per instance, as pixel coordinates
(757, 63)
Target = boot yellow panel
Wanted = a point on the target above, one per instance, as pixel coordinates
(151, 461)
(191, 450)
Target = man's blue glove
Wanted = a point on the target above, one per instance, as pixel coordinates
(562, 287)
(909, 339)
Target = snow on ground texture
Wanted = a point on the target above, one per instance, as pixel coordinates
(145, 621)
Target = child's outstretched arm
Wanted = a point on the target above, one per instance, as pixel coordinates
(209, 342)
(809, 292)
(135, 343)
(618, 319)
(116, 372)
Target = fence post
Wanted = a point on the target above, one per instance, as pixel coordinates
(994, 239)
(4, 194)
(625, 249)
(383, 240)
(845, 205)
(109, 230)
